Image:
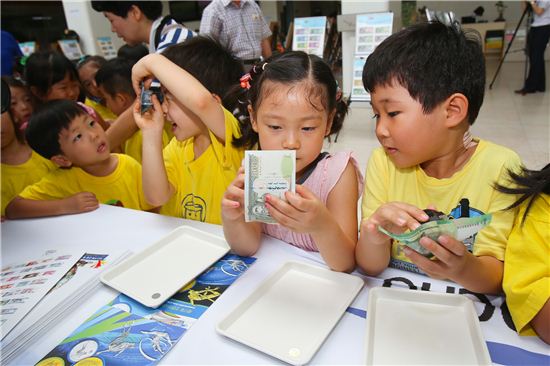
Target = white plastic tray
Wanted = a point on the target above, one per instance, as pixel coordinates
(159, 271)
(291, 313)
(406, 327)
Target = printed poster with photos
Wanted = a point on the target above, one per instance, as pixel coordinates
(24, 284)
(370, 31)
(124, 332)
(106, 46)
(309, 35)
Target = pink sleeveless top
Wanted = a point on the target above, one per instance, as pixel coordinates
(321, 181)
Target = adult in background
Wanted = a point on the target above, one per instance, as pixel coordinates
(142, 22)
(537, 39)
(239, 26)
(10, 50)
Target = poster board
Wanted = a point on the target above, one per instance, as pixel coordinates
(309, 35)
(106, 47)
(70, 48)
(370, 30)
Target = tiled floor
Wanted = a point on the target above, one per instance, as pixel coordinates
(521, 123)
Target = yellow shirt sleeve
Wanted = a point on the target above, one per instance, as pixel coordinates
(527, 265)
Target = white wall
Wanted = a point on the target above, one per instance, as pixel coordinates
(89, 24)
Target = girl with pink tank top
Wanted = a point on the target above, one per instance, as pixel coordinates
(294, 103)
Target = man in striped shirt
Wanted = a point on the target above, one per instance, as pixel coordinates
(239, 26)
(141, 22)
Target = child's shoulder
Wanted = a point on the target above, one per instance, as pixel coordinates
(490, 154)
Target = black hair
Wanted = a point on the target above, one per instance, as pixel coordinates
(432, 61)
(46, 124)
(115, 76)
(151, 9)
(98, 61)
(209, 62)
(14, 82)
(530, 184)
(133, 53)
(290, 68)
(43, 69)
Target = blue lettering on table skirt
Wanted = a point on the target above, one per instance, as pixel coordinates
(500, 353)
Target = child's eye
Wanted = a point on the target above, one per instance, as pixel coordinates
(91, 123)
(375, 116)
(77, 137)
(393, 114)
(308, 128)
(274, 127)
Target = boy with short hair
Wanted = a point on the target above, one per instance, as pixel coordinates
(426, 84)
(114, 80)
(63, 132)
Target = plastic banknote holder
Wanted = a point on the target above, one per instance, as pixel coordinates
(270, 172)
(159, 271)
(459, 229)
(292, 312)
(413, 327)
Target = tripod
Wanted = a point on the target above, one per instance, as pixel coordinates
(527, 10)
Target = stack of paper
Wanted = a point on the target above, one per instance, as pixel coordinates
(31, 305)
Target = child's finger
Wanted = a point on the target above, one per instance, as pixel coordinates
(280, 217)
(296, 201)
(452, 245)
(156, 103)
(227, 203)
(438, 251)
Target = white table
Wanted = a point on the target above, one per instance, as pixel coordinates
(113, 227)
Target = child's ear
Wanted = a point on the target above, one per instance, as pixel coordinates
(62, 161)
(456, 107)
(217, 97)
(124, 99)
(252, 118)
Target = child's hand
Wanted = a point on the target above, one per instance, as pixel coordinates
(153, 119)
(141, 72)
(233, 198)
(451, 257)
(81, 202)
(395, 217)
(303, 212)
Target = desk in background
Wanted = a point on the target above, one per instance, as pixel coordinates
(110, 227)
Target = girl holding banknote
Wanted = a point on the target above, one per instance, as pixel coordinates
(293, 103)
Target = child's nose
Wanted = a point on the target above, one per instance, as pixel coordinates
(291, 142)
(381, 128)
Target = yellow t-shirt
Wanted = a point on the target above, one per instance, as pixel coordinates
(16, 177)
(469, 190)
(102, 110)
(120, 188)
(200, 183)
(527, 265)
(134, 145)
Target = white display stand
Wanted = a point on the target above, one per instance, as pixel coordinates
(309, 35)
(70, 48)
(370, 30)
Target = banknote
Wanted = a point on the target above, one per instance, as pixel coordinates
(267, 172)
(459, 229)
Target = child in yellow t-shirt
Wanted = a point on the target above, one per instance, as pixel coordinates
(114, 80)
(201, 161)
(20, 165)
(426, 84)
(89, 174)
(527, 265)
(87, 67)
